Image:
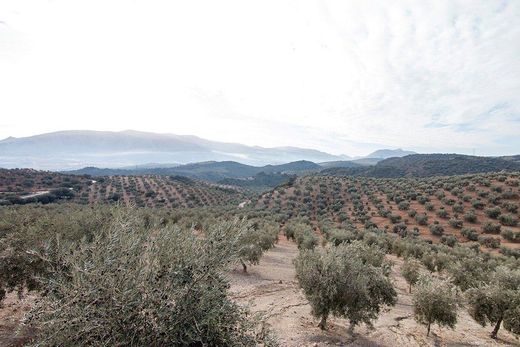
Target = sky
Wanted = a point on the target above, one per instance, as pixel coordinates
(345, 77)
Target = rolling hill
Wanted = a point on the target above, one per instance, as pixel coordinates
(427, 165)
(209, 171)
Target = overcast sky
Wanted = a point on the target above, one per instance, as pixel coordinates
(341, 76)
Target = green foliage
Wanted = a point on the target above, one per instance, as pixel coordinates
(411, 271)
(508, 220)
(493, 212)
(455, 223)
(436, 229)
(470, 217)
(435, 301)
(256, 239)
(497, 301)
(344, 281)
(470, 233)
(491, 228)
(133, 286)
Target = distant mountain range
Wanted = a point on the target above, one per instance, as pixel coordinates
(79, 148)
(427, 165)
(389, 153)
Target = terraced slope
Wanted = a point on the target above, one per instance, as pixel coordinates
(475, 209)
(27, 186)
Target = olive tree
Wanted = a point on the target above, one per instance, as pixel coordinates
(411, 271)
(132, 286)
(341, 282)
(497, 301)
(254, 241)
(435, 301)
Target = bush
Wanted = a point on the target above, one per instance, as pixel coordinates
(479, 205)
(497, 301)
(455, 223)
(421, 219)
(470, 217)
(436, 229)
(403, 205)
(510, 207)
(435, 301)
(254, 241)
(493, 212)
(130, 286)
(470, 233)
(341, 282)
(491, 228)
(489, 241)
(508, 220)
(449, 240)
(411, 271)
(442, 213)
(511, 235)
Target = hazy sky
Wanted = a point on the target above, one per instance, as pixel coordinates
(340, 76)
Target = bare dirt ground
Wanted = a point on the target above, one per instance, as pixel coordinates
(12, 311)
(271, 288)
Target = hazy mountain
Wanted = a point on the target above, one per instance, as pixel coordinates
(211, 171)
(78, 148)
(389, 153)
(339, 163)
(425, 165)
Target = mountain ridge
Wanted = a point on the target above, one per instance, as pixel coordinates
(71, 149)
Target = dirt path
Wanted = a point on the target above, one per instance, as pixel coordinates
(271, 288)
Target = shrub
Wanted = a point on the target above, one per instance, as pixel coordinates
(510, 235)
(470, 233)
(131, 286)
(411, 271)
(442, 213)
(458, 208)
(394, 218)
(508, 220)
(479, 205)
(435, 301)
(455, 223)
(489, 241)
(436, 229)
(449, 240)
(339, 281)
(470, 217)
(421, 219)
(510, 207)
(493, 212)
(305, 237)
(339, 236)
(254, 241)
(403, 205)
(491, 228)
(497, 301)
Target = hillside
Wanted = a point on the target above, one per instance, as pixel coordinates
(467, 209)
(22, 186)
(210, 171)
(427, 165)
(72, 149)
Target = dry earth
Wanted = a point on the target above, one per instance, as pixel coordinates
(271, 288)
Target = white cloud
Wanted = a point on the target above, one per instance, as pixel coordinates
(343, 76)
